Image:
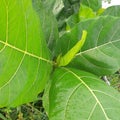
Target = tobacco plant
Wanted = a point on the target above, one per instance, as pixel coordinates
(65, 55)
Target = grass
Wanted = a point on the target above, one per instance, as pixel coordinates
(115, 80)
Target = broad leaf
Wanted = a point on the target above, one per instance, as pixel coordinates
(101, 51)
(24, 57)
(113, 11)
(94, 4)
(48, 20)
(78, 95)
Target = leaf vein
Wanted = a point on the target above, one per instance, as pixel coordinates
(25, 52)
(82, 52)
(14, 73)
(93, 94)
(92, 110)
(70, 97)
(107, 95)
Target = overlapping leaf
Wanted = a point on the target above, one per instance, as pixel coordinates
(24, 57)
(78, 95)
(45, 11)
(52, 5)
(94, 4)
(83, 14)
(100, 53)
(113, 11)
(61, 9)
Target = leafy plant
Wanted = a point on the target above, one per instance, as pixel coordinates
(34, 57)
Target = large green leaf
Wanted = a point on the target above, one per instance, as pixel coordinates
(78, 95)
(113, 11)
(24, 57)
(101, 51)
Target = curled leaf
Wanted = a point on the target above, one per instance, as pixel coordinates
(67, 58)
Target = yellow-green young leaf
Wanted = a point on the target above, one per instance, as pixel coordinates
(100, 11)
(68, 28)
(86, 12)
(66, 59)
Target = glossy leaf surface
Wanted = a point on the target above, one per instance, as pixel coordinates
(24, 57)
(78, 95)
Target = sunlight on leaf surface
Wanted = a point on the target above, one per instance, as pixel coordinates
(24, 57)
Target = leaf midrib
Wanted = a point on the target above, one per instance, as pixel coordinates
(24, 51)
(97, 47)
(98, 102)
(15, 48)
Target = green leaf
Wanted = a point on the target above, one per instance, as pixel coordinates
(2, 117)
(113, 11)
(24, 57)
(84, 13)
(71, 21)
(78, 95)
(48, 21)
(56, 6)
(101, 52)
(45, 97)
(100, 11)
(94, 4)
(63, 9)
(67, 58)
